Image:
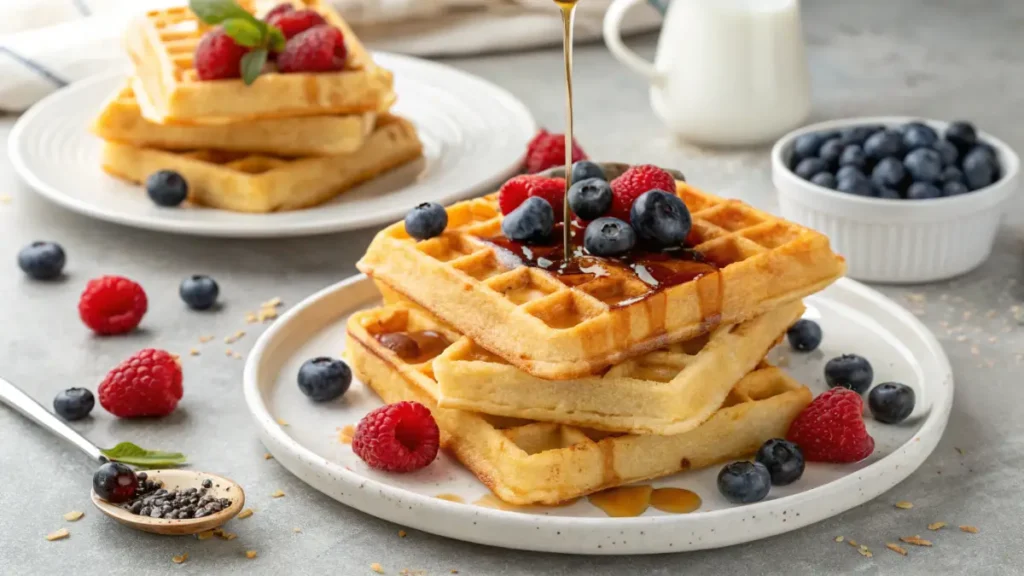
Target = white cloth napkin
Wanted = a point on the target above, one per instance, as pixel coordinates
(45, 44)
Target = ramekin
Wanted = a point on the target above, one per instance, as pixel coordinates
(898, 241)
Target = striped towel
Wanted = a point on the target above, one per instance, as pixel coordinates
(45, 44)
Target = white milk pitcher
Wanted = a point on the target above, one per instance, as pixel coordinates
(727, 72)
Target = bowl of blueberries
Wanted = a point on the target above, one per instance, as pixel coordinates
(904, 200)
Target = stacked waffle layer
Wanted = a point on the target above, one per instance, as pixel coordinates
(554, 379)
(284, 142)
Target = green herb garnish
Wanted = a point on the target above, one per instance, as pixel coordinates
(129, 453)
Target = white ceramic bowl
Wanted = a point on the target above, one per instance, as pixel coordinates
(897, 241)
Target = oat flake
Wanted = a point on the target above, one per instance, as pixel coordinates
(58, 535)
(180, 559)
(915, 540)
(936, 525)
(904, 505)
(969, 529)
(896, 548)
(74, 516)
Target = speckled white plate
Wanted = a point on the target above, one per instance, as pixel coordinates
(474, 135)
(854, 319)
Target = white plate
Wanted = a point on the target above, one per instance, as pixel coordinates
(474, 135)
(854, 318)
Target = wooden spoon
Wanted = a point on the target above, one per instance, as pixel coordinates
(172, 479)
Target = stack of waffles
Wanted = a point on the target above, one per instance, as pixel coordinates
(285, 142)
(552, 380)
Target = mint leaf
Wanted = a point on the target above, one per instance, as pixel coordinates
(243, 32)
(252, 65)
(216, 11)
(129, 453)
(277, 39)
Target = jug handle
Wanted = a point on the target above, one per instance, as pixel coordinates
(613, 39)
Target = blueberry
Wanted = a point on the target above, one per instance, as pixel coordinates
(114, 482)
(891, 402)
(986, 148)
(808, 167)
(923, 191)
(952, 174)
(849, 371)
(744, 482)
(199, 292)
(324, 378)
(858, 186)
(858, 134)
(166, 188)
(42, 260)
(804, 335)
(947, 151)
(825, 179)
(853, 155)
(962, 135)
(591, 198)
(426, 220)
(830, 152)
(660, 219)
(954, 188)
(979, 169)
(850, 172)
(918, 135)
(532, 221)
(585, 169)
(73, 403)
(884, 143)
(923, 164)
(888, 193)
(890, 173)
(609, 237)
(783, 459)
(806, 146)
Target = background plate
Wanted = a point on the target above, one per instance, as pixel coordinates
(474, 136)
(854, 318)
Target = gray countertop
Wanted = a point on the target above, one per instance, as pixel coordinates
(922, 57)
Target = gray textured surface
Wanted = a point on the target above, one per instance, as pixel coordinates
(922, 57)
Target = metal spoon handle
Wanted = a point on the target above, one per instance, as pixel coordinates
(15, 398)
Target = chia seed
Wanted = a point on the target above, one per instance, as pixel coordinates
(154, 501)
(207, 483)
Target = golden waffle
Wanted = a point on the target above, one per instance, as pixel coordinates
(669, 391)
(525, 462)
(559, 326)
(162, 45)
(121, 121)
(260, 183)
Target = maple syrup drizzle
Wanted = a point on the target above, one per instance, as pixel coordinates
(415, 347)
(568, 8)
(451, 498)
(632, 501)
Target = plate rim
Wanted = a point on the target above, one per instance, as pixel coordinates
(214, 229)
(896, 466)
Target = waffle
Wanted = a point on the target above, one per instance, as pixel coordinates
(564, 326)
(526, 462)
(121, 121)
(162, 44)
(244, 182)
(669, 391)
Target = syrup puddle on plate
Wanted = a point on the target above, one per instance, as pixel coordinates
(632, 501)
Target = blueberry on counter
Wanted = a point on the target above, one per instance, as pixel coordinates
(947, 151)
(804, 335)
(890, 173)
(954, 188)
(856, 185)
(42, 260)
(590, 198)
(808, 167)
(979, 168)
(923, 165)
(853, 155)
(918, 135)
(324, 378)
(114, 482)
(923, 191)
(609, 237)
(426, 220)
(744, 482)
(884, 143)
(849, 371)
(532, 221)
(891, 402)
(783, 459)
(825, 179)
(660, 219)
(166, 188)
(73, 403)
(585, 169)
(199, 291)
(962, 135)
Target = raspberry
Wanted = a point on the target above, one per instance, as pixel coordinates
(515, 191)
(292, 22)
(547, 150)
(278, 10)
(319, 49)
(112, 305)
(831, 428)
(634, 182)
(218, 56)
(400, 437)
(147, 384)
